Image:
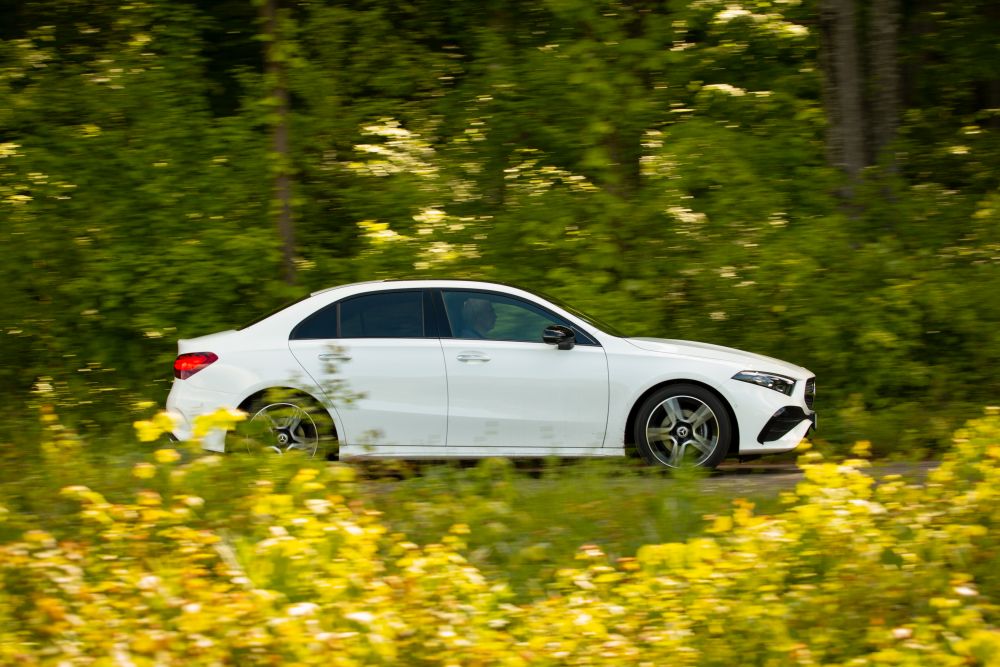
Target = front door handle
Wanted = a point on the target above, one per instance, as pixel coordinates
(468, 357)
(336, 356)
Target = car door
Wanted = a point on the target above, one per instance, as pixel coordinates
(384, 350)
(507, 388)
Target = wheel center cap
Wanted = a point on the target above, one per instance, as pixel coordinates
(682, 431)
(283, 438)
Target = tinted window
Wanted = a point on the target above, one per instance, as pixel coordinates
(321, 324)
(484, 315)
(379, 315)
(383, 315)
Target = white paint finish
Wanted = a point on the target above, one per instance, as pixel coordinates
(512, 394)
(695, 350)
(401, 380)
(187, 402)
(387, 452)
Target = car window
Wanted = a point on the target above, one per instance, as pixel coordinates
(377, 315)
(383, 315)
(489, 316)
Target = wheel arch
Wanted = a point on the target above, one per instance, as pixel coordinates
(293, 392)
(734, 446)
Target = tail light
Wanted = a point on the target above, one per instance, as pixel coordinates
(188, 364)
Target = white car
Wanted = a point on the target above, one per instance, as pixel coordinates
(463, 369)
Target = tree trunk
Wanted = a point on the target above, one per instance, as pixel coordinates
(275, 69)
(845, 86)
(885, 72)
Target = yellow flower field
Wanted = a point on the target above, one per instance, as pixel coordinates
(300, 569)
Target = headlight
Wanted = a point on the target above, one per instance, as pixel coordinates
(779, 383)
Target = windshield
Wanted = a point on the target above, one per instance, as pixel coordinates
(595, 322)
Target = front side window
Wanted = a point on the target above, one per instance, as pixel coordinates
(490, 316)
(377, 315)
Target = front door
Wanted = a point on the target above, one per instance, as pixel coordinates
(507, 388)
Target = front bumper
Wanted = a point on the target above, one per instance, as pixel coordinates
(785, 443)
(769, 421)
(784, 421)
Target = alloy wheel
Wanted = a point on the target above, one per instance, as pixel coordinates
(284, 427)
(682, 431)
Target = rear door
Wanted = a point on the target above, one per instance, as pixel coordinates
(377, 357)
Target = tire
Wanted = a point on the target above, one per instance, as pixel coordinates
(284, 424)
(681, 426)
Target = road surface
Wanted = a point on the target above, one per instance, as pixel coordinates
(756, 477)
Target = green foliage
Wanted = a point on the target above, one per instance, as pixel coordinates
(662, 166)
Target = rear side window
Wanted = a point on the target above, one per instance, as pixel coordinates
(384, 315)
(378, 315)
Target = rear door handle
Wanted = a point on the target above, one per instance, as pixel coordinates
(337, 356)
(472, 356)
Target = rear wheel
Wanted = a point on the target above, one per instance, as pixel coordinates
(683, 425)
(288, 424)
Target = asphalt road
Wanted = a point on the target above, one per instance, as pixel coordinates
(748, 478)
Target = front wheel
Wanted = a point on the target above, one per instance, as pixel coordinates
(682, 426)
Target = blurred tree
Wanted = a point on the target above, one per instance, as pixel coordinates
(846, 84)
(885, 77)
(671, 166)
(277, 53)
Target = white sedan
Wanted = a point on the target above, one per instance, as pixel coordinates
(463, 369)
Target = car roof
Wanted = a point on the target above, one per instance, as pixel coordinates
(360, 282)
(421, 282)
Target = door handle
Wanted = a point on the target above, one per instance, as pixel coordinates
(336, 356)
(472, 356)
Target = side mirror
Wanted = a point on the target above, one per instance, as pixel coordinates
(557, 334)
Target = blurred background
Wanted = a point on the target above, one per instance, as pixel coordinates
(815, 180)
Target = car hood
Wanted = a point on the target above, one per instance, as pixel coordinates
(748, 361)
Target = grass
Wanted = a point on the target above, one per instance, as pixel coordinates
(529, 523)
